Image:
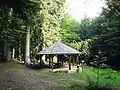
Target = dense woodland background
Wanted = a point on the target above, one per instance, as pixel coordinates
(46, 21)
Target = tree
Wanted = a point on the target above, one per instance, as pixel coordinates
(51, 19)
(110, 40)
(68, 30)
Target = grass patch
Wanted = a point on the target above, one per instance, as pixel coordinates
(86, 80)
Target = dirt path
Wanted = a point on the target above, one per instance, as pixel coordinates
(18, 77)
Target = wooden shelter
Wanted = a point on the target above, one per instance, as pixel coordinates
(58, 49)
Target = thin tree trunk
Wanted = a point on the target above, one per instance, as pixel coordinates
(19, 50)
(27, 57)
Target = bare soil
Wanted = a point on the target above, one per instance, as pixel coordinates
(15, 76)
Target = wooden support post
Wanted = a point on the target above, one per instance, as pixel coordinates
(52, 62)
(58, 58)
(49, 59)
(73, 59)
(78, 59)
(82, 64)
(61, 57)
(62, 62)
(40, 59)
(70, 63)
(45, 57)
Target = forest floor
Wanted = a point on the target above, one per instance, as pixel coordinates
(18, 77)
(14, 76)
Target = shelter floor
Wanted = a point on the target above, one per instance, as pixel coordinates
(74, 69)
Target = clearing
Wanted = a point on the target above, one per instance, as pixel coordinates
(14, 76)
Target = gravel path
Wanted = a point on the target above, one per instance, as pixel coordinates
(18, 77)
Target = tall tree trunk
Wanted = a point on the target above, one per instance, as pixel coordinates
(6, 52)
(27, 56)
(20, 49)
(13, 53)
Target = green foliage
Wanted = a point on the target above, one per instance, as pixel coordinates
(96, 35)
(68, 30)
(43, 20)
(82, 46)
(104, 33)
(112, 10)
(108, 42)
(19, 7)
(84, 29)
(49, 19)
(46, 22)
